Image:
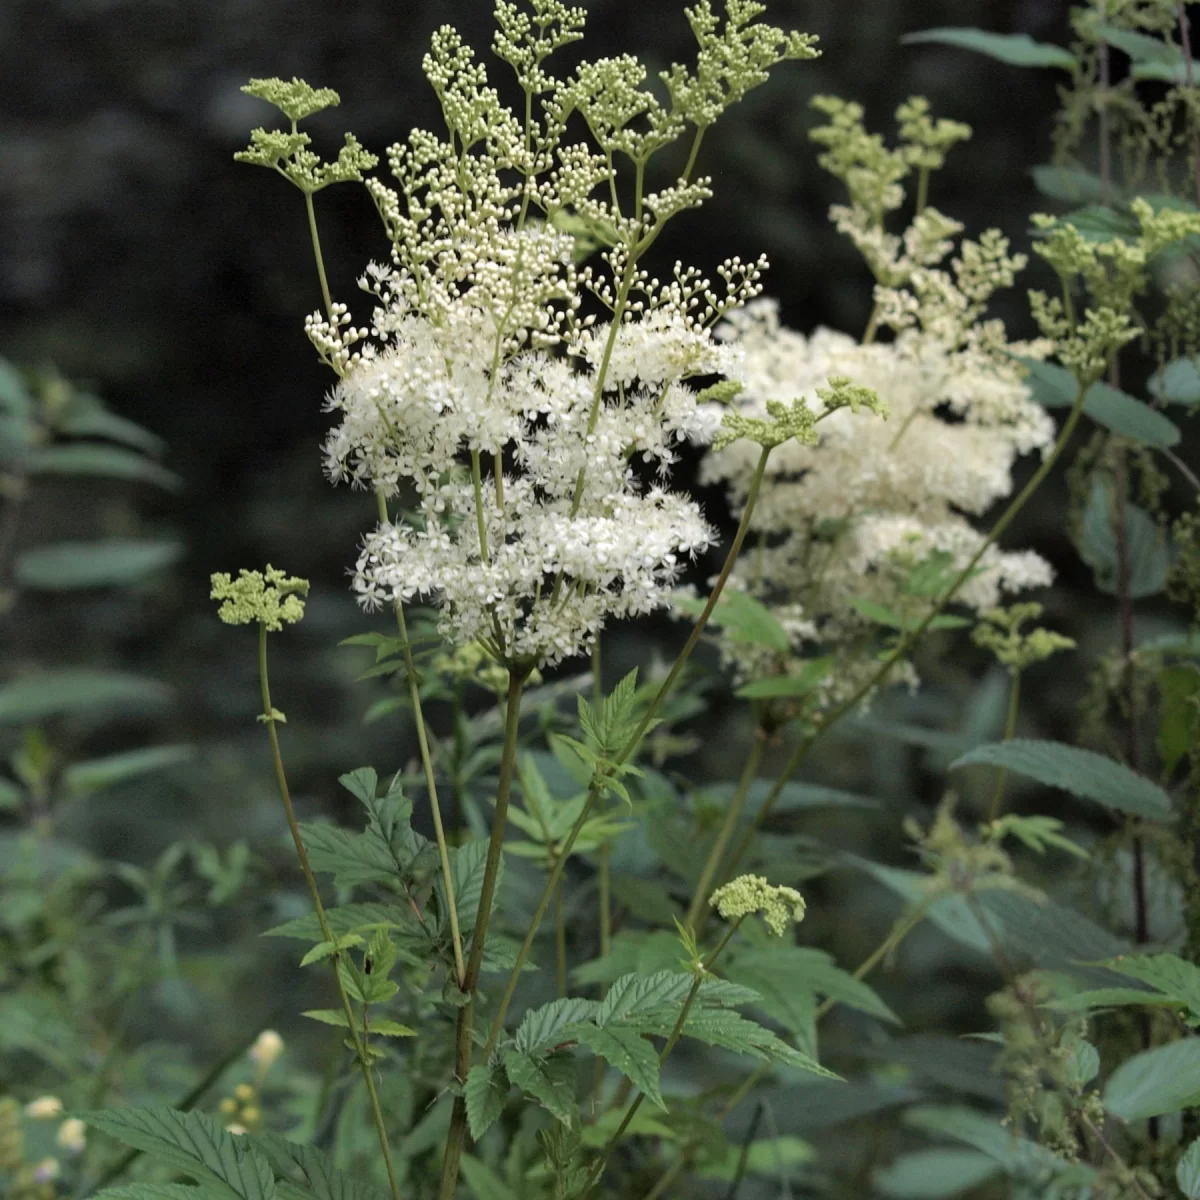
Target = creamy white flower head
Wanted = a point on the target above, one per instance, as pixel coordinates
(849, 517)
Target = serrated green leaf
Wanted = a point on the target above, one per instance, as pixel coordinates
(69, 566)
(351, 858)
(157, 1191)
(1174, 979)
(482, 1182)
(1187, 1171)
(1155, 1082)
(109, 462)
(544, 1080)
(98, 773)
(385, 1027)
(366, 917)
(1116, 997)
(321, 1179)
(194, 1144)
(934, 1174)
(542, 1028)
(486, 1091)
(468, 864)
(328, 1016)
(1083, 773)
(629, 1053)
(1015, 49)
(58, 693)
(324, 950)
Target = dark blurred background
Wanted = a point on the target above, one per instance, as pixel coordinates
(137, 257)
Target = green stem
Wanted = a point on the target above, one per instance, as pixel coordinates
(732, 816)
(414, 698)
(872, 324)
(907, 642)
(457, 1135)
(319, 908)
(316, 245)
(597, 787)
(1010, 730)
(477, 483)
(676, 1033)
(560, 942)
(922, 189)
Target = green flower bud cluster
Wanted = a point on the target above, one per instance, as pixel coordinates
(288, 153)
(778, 906)
(271, 598)
(1000, 632)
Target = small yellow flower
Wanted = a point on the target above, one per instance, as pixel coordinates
(244, 1092)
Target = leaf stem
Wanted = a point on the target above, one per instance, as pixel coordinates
(319, 908)
(1010, 730)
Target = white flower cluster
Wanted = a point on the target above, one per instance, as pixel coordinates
(530, 443)
(531, 527)
(851, 517)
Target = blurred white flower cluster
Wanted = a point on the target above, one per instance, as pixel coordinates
(875, 518)
(530, 443)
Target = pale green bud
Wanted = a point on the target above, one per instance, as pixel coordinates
(270, 598)
(778, 906)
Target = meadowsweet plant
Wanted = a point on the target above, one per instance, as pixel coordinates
(516, 392)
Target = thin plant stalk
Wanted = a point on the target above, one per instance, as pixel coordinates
(1010, 730)
(732, 816)
(597, 784)
(906, 643)
(269, 717)
(457, 1136)
(676, 1033)
(414, 698)
(560, 943)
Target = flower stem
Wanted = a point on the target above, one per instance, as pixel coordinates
(1010, 730)
(676, 1033)
(457, 1135)
(316, 245)
(414, 697)
(732, 816)
(319, 909)
(630, 746)
(906, 643)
